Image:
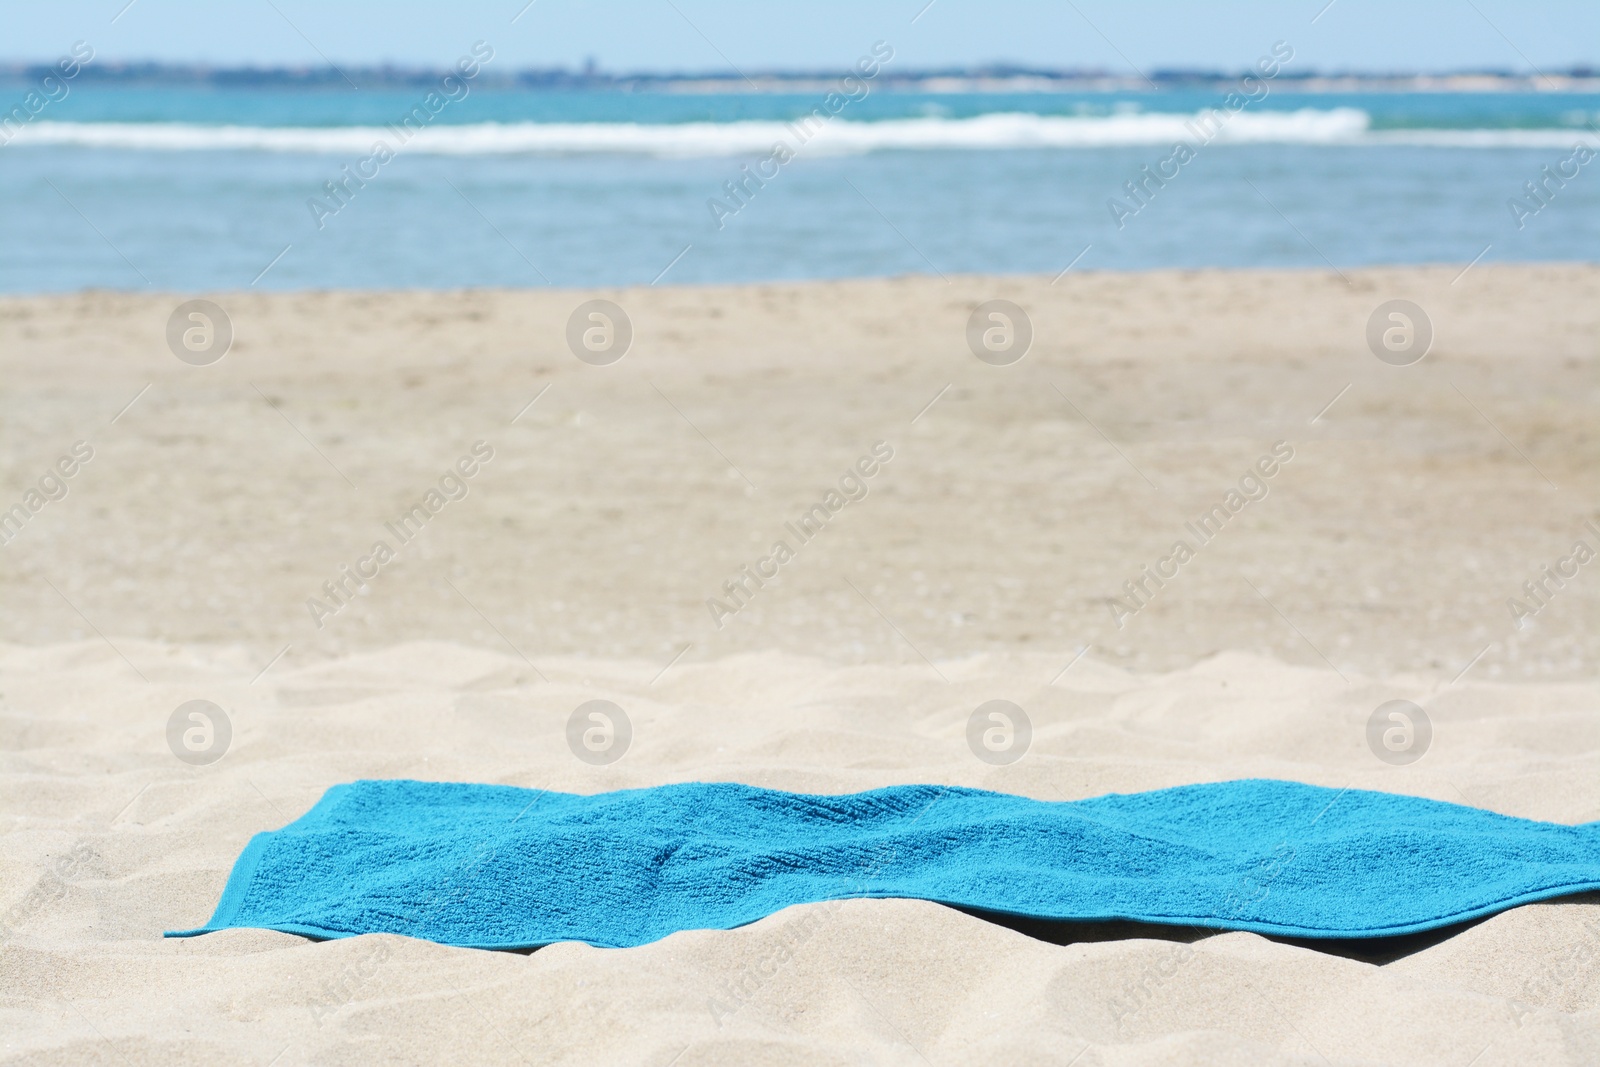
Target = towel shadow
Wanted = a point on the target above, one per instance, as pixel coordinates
(1375, 950)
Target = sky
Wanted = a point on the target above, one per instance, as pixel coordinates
(716, 35)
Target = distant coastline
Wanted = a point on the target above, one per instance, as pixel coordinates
(998, 78)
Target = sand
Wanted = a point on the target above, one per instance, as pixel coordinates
(983, 563)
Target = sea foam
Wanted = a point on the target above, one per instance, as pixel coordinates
(1308, 126)
(703, 139)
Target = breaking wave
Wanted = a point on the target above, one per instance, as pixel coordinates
(1336, 126)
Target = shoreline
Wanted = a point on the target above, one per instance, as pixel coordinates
(972, 281)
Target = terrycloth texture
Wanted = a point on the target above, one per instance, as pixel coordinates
(500, 867)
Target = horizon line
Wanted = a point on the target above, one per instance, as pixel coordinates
(591, 76)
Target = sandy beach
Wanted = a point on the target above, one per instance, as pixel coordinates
(202, 545)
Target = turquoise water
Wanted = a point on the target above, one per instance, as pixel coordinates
(344, 107)
(192, 188)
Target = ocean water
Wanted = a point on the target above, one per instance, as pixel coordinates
(201, 189)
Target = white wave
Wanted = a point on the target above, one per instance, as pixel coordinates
(690, 139)
(700, 139)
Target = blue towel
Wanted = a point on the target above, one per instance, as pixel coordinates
(493, 866)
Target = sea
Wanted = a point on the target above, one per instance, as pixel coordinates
(205, 188)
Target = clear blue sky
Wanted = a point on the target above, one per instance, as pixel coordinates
(677, 35)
